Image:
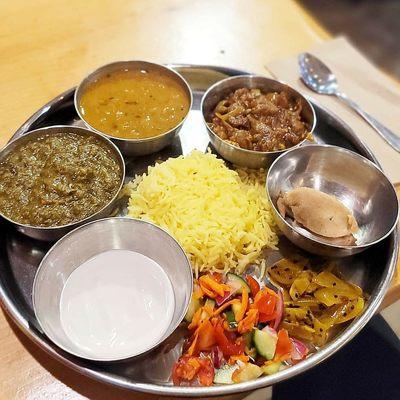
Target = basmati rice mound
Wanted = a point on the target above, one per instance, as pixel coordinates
(221, 217)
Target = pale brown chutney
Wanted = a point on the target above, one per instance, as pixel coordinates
(253, 120)
(57, 179)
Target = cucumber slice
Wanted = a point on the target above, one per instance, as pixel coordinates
(230, 317)
(271, 368)
(265, 343)
(223, 376)
(248, 338)
(249, 348)
(237, 282)
(248, 372)
(194, 305)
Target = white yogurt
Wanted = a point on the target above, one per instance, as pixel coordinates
(117, 304)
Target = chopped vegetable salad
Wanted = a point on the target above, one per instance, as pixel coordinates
(240, 329)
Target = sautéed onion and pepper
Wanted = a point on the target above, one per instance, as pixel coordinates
(253, 120)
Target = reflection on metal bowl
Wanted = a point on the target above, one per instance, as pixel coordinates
(75, 248)
(355, 181)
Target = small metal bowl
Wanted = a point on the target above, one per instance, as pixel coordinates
(78, 246)
(53, 233)
(355, 181)
(235, 154)
(134, 147)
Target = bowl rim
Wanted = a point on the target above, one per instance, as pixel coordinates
(252, 76)
(171, 328)
(84, 131)
(102, 69)
(311, 237)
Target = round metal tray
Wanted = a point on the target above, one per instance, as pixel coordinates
(20, 257)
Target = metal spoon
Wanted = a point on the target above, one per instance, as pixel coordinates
(319, 78)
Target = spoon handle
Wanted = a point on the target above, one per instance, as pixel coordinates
(391, 138)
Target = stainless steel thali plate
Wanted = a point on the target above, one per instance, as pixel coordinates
(20, 256)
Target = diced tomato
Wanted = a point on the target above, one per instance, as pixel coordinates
(206, 338)
(206, 372)
(284, 346)
(227, 346)
(254, 285)
(263, 318)
(265, 302)
(187, 369)
(231, 336)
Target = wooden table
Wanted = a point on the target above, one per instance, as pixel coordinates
(47, 46)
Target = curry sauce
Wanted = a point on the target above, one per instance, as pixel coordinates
(135, 104)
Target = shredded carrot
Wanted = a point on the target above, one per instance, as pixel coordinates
(207, 291)
(209, 309)
(213, 285)
(196, 319)
(243, 307)
(192, 347)
(240, 357)
(247, 324)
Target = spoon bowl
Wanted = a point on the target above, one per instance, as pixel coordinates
(319, 78)
(316, 75)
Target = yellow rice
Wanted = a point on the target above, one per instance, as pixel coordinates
(221, 217)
